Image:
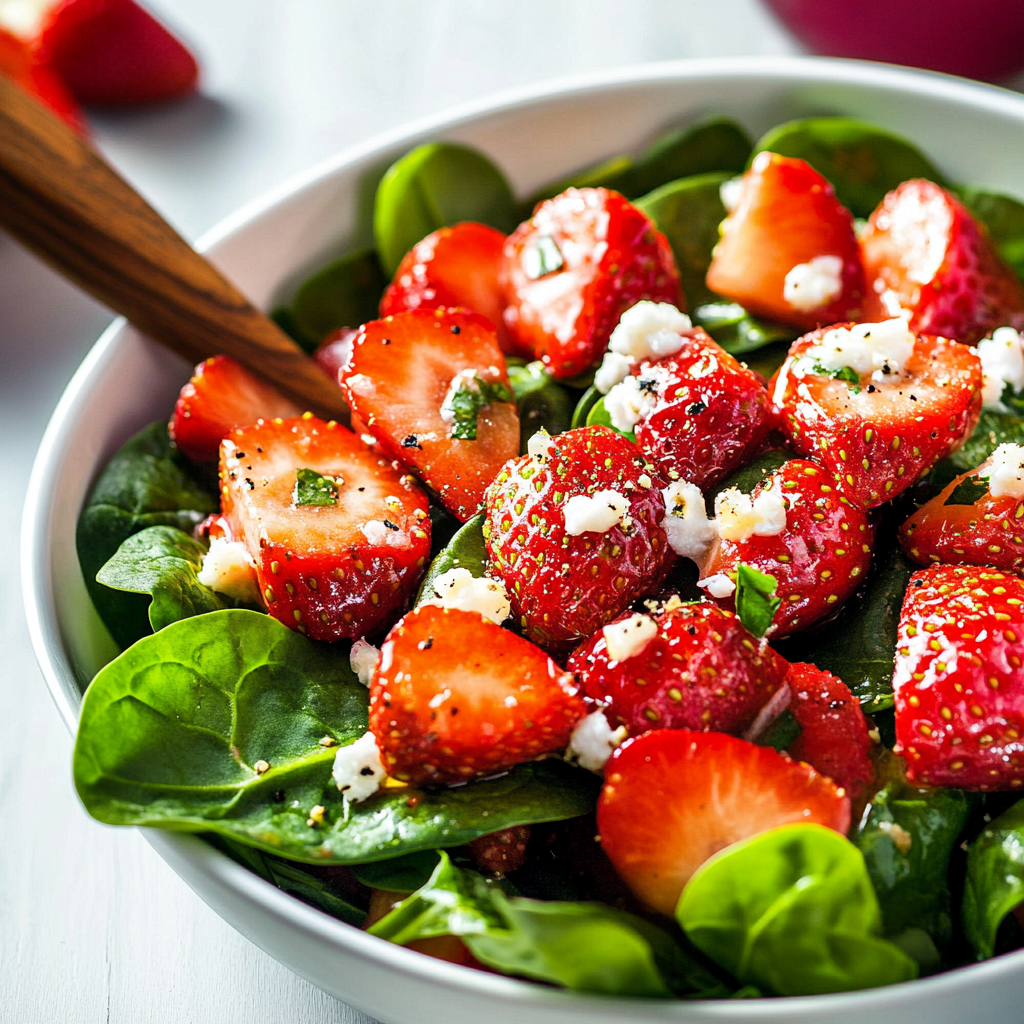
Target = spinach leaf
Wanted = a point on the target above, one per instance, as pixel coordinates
(173, 731)
(469, 398)
(792, 912)
(144, 484)
(402, 874)
(781, 733)
(995, 427)
(1003, 216)
(584, 946)
(437, 185)
(862, 162)
(615, 173)
(466, 550)
(589, 399)
(968, 492)
(995, 879)
(162, 561)
(599, 417)
(284, 317)
(767, 359)
(736, 330)
(756, 603)
(541, 401)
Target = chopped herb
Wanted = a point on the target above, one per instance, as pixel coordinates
(313, 488)
(847, 373)
(542, 258)
(756, 603)
(968, 492)
(469, 398)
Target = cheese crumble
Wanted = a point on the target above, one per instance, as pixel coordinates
(358, 771)
(596, 513)
(810, 286)
(1002, 363)
(362, 659)
(686, 522)
(719, 585)
(646, 331)
(1004, 470)
(593, 741)
(626, 639)
(881, 349)
(738, 517)
(459, 588)
(229, 569)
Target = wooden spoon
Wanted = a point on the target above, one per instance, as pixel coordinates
(63, 201)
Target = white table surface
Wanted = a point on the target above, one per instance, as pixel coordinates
(93, 925)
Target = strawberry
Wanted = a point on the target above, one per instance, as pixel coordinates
(338, 536)
(958, 681)
(455, 695)
(502, 851)
(335, 349)
(456, 266)
(115, 53)
(222, 394)
(924, 253)
(573, 532)
(701, 670)
(674, 798)
(819, 557)
(404, 376)
(570, 272)
(31, 72)
(706, 413)
(834, 739)
(788, 251)
(876, 405)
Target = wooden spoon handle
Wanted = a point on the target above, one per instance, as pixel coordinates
(62, 200)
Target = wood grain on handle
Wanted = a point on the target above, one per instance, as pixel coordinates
(63, 201)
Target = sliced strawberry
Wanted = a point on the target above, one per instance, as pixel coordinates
(222, 394)
(876, 430)
(834, 737)
(402, 372)
(570, 272)
(819, 558)
(335, 350)
(29, 70)
(701, 670)
(674, 798)
(788, 251)
(958, 680)
(455, 695)
(501, 852)
(338, 569)
(115, 53)
(456, 267)
(572, 531)
(924, 253)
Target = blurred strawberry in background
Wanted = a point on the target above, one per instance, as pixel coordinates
(974, 38)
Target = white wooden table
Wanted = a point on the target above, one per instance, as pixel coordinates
(93, 925)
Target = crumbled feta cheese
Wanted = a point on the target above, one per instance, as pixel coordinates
(686, 520)
(459, 588)
(540, 445)
(1004, 470)
(627, 404)
(360, 384)
(614, 367)
(645, 481)
(593, 741)
(358, 771)
(375, 532)
(718, 585)
(880, 349)
(1002, 363)
(813, 285)
(362, 659)
(738, 517)
(596, 513)
(464, 380)
(650, 330)
(731, 191)
(626, 639)
(229, 569)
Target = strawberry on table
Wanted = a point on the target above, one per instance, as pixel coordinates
(876, 404)
(338, 536)
(674, 798)
(693, 666)
(819, 555)
(570, 272)
(924, 253)
(788, 251)
(456, 695)
(573, 532)
(430, 386)
(222, 394)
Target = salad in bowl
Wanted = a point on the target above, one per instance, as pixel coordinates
(652, 629)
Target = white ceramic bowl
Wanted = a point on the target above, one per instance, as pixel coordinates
(975, 133)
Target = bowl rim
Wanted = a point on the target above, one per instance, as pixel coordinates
(217, 868)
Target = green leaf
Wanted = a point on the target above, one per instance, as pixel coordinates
(1003, 217)
(146, 483)
(466, 550)
(284, 317)
(402, 874)
(171, 732)
(792, 912)
(542, 258)
(995, 880)
(846, 373)
(599, 417)
(863, 162)
(162, 561)
(756, 603)
(541, 401)
(584, 946)
(615, 173)
(467, 401)
(995, 427)
(781, 733)
(437, 185)
(968, 492)
(313, 488)
(587, 401)
(736, 330)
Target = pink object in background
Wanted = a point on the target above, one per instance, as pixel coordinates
(974, 38)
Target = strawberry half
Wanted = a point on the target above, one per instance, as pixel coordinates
(338, 536)
(701, 670)
(572, 531)
(674, 798)
(456, 267)
(876, 405)
(958, 681)
(571, 271)
(402, 376)
(818, 559)
(222, 394)
(788, 251)
(455, 695)
(28, 69)
(924, 253)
